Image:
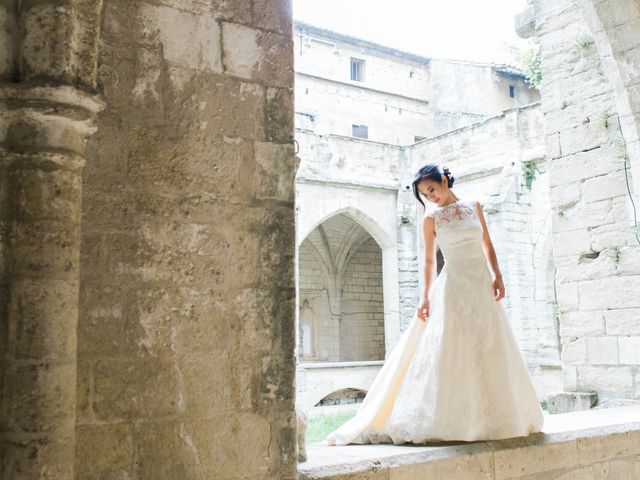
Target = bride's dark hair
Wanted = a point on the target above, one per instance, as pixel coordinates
(430, 171)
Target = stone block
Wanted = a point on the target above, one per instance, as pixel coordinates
(574, 350)
(622, 321)
(572, 242)
(276, 16)
(135, 389)
(609, 236)
(564, 195)
(601, 212)
(204, 322)
(582, 137)
(257, 55)
(569, 378)
(629, 349)
(237, 11)
(567, 295)
(602, 350)
(205, 390)
(581, 322)
(192, 254)
(192, 455)
(275, 172)
(607, 445)
(514, 462)
(115, 444)
(198, 47)
(476, 465)
(629, 261)
(564, 402)
(614, 378)
(572, 218)
(604, 186)
(612, 293)
(580, 166)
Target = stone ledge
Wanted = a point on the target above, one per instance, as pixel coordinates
(598, 443)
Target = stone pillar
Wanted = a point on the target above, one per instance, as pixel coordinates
(48, 66)
(43, 130)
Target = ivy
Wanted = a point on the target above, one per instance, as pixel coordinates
(529, 169)
(530, 60)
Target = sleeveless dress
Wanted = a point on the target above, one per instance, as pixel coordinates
(461, 375)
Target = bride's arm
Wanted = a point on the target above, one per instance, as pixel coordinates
(487, 244)
(429, 235)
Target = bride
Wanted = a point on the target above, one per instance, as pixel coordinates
(457, 372)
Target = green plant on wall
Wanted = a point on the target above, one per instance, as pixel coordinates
(530, 60)
(615, 251)
(529, 169)
(620, 148)
(584, 41)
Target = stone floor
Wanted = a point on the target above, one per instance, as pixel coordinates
(571, 442)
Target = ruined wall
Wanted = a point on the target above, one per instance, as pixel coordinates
(595, 250)
(488, 160)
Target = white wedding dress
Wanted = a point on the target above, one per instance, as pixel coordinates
(459, 376)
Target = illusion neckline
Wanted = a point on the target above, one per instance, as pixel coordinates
(449, 204)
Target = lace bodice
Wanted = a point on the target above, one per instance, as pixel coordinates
(459, 231)
(461, 210)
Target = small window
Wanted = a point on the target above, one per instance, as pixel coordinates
(357, 69)
(360, 131)
(512, 91)
(418, 138)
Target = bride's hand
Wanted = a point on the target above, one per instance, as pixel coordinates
(423, 309)
(498, 288)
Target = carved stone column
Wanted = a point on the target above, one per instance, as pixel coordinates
(43, 130)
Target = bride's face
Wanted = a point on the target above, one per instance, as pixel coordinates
(435, 192)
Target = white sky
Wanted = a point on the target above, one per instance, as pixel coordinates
(477, 30)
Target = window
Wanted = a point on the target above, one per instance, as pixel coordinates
(512, 91)
(357, 69)
(417, 138)
(360, 131)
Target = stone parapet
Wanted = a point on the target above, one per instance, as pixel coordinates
(595, 444)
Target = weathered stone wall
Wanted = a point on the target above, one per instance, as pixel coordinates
(169, 258)
(595, 250)
(186, 330)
